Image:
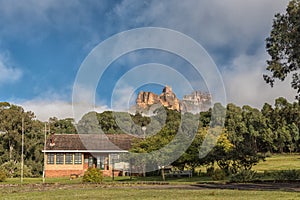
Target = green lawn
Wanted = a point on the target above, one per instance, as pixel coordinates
(275, 162)
(131, 193)
(279, 162)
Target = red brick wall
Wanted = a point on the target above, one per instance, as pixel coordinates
(63, 173)
(67, 173)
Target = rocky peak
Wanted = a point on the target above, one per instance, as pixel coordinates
(146, 99)
(167, 98)
(194, 102)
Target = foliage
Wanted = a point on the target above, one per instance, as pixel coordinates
(210, 171)
(13, 169)
(283, 45)
(62, 126)
(282, 175)
(10, 140)
(93, 175)
(3, 175)
(244, 175)
(218, 174)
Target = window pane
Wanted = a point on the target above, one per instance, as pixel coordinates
(100, 162)
(59, 158)
(50, 158)
(69, 158)
(77, 158)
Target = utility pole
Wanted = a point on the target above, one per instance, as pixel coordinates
(45, 137)
(45, 140)
(22, 154)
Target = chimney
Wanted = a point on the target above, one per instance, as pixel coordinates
(52, 139)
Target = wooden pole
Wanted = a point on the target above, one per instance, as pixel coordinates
(22, 154)
(45, 137)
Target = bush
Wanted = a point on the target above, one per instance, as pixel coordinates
(93, 175)
(218, 175)
(13, 169)
(268, 154)
(210, 171)
(3, 175)
(243, 176)
(286, 175)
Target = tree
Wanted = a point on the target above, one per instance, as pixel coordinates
(62, 126)
(10, 140)
(283, 45)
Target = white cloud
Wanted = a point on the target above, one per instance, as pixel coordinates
(232, 31)
(44, 109)
(211, 22)
(8, 74)
(245, 85)
(56, 104)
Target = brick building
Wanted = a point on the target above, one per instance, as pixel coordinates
(68, 154)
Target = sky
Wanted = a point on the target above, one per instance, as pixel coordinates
(44, 44)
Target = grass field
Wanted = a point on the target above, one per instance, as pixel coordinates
(275, 162)
(137, 193)
(279, 162)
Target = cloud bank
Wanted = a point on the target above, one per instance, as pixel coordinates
(8, 74)
(232, 32)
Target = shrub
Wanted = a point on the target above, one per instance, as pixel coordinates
(243, 176)
(13, 169)
(93, 175)
(218, 175)
(210, 171)
(3, 175)
(268, 154)
(286, 175)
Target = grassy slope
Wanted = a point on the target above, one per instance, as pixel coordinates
(279, 162)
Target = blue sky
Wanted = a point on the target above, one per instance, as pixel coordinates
(43, 44)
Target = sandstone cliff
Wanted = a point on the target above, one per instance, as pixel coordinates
(167, 98)
(195, 102)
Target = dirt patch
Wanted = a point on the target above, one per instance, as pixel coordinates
(13, 188)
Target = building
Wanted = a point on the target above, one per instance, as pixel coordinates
(73, 154)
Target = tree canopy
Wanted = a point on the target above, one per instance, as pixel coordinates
(283, 46)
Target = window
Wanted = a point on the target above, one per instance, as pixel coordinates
(77, 158)
(100, 162)
(69, 158)
(59, 158)
(50, 158)
(91, 161)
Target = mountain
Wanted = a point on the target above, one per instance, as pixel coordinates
(195, 102)
(167, 98)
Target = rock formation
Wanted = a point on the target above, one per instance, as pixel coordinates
(146, 99)
(195, 102)
(167, 98)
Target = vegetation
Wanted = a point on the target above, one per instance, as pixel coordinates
(286, 175)
(283, 45)
(243, 176)
(93, 175)
(248, 136)
(3, 175)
